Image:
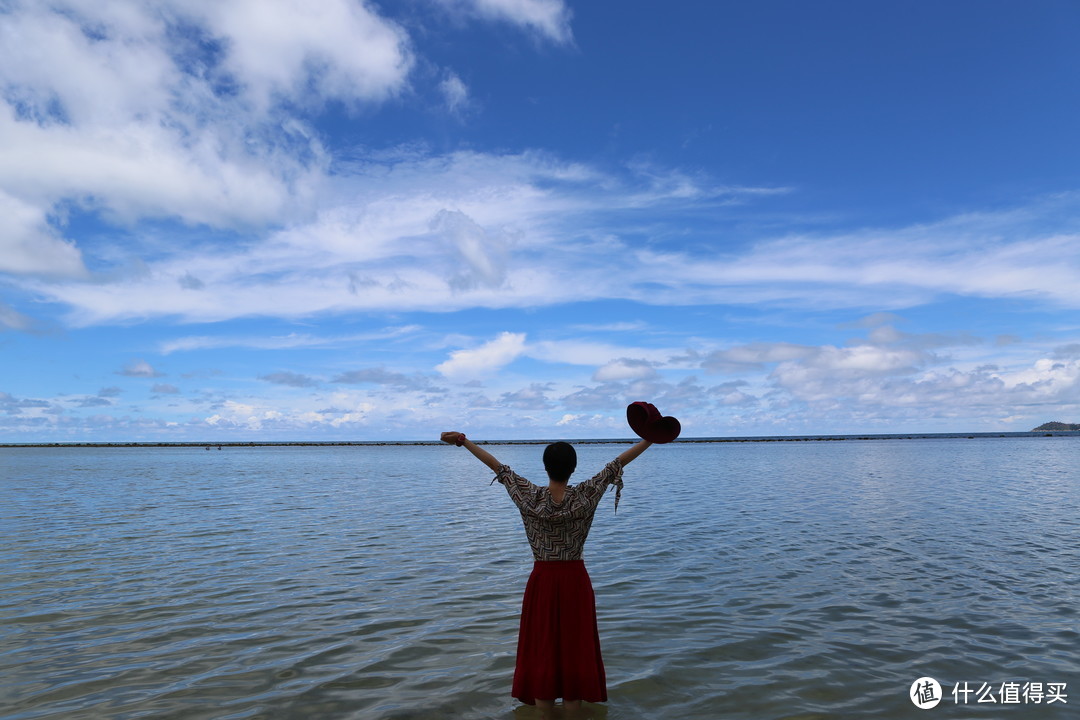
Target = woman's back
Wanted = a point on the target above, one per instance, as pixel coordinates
(558, 530)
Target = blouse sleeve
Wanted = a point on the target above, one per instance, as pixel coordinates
(517, 486)
(610, 475)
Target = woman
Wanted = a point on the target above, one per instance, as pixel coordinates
(558, 653)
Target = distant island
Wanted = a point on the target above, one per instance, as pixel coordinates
(1057, 427)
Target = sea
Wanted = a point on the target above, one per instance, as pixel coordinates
(797, 580)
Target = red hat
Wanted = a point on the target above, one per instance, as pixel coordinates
(645, 420)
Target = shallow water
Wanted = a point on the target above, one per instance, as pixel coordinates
(739, 580)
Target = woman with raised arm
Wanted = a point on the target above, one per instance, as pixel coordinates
(558, 653)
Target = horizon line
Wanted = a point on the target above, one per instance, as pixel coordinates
(578, 441)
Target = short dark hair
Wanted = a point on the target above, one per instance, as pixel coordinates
(560, 461)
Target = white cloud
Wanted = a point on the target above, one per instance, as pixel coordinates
(12, 319)
(190, 282)
(533, 397)
(484, 253)
(625, 369)
(242, 415)
(605, 396)
(455, 93)
(487, 358)
(586, 352)
(1070, 351)
(293, 49)
(420, 233)
(135, 170)
(28, 245)
(140, 369)
(753, 356)
(548, 18)
(881, 384)
(282, 342)
(1027, 253)
(828, 372)
(119, 60)
(637, 326)
(1046, 378)
(382, 376)
(173, 109)
(892, 372)
(290, 378)
(441, 233)
(863, 387)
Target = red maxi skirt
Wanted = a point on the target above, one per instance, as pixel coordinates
(558, 654)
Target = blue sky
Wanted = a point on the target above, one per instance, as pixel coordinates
(270, 219)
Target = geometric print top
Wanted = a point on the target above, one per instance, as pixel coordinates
(557, 531)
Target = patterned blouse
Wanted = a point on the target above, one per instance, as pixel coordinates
(557, 531)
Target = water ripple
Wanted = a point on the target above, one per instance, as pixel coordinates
(796, 581)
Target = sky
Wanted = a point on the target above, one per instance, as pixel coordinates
(355, 220)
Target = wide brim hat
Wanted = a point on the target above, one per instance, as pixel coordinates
(646, 421)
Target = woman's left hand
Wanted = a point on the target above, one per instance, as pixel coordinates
(450, 438)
